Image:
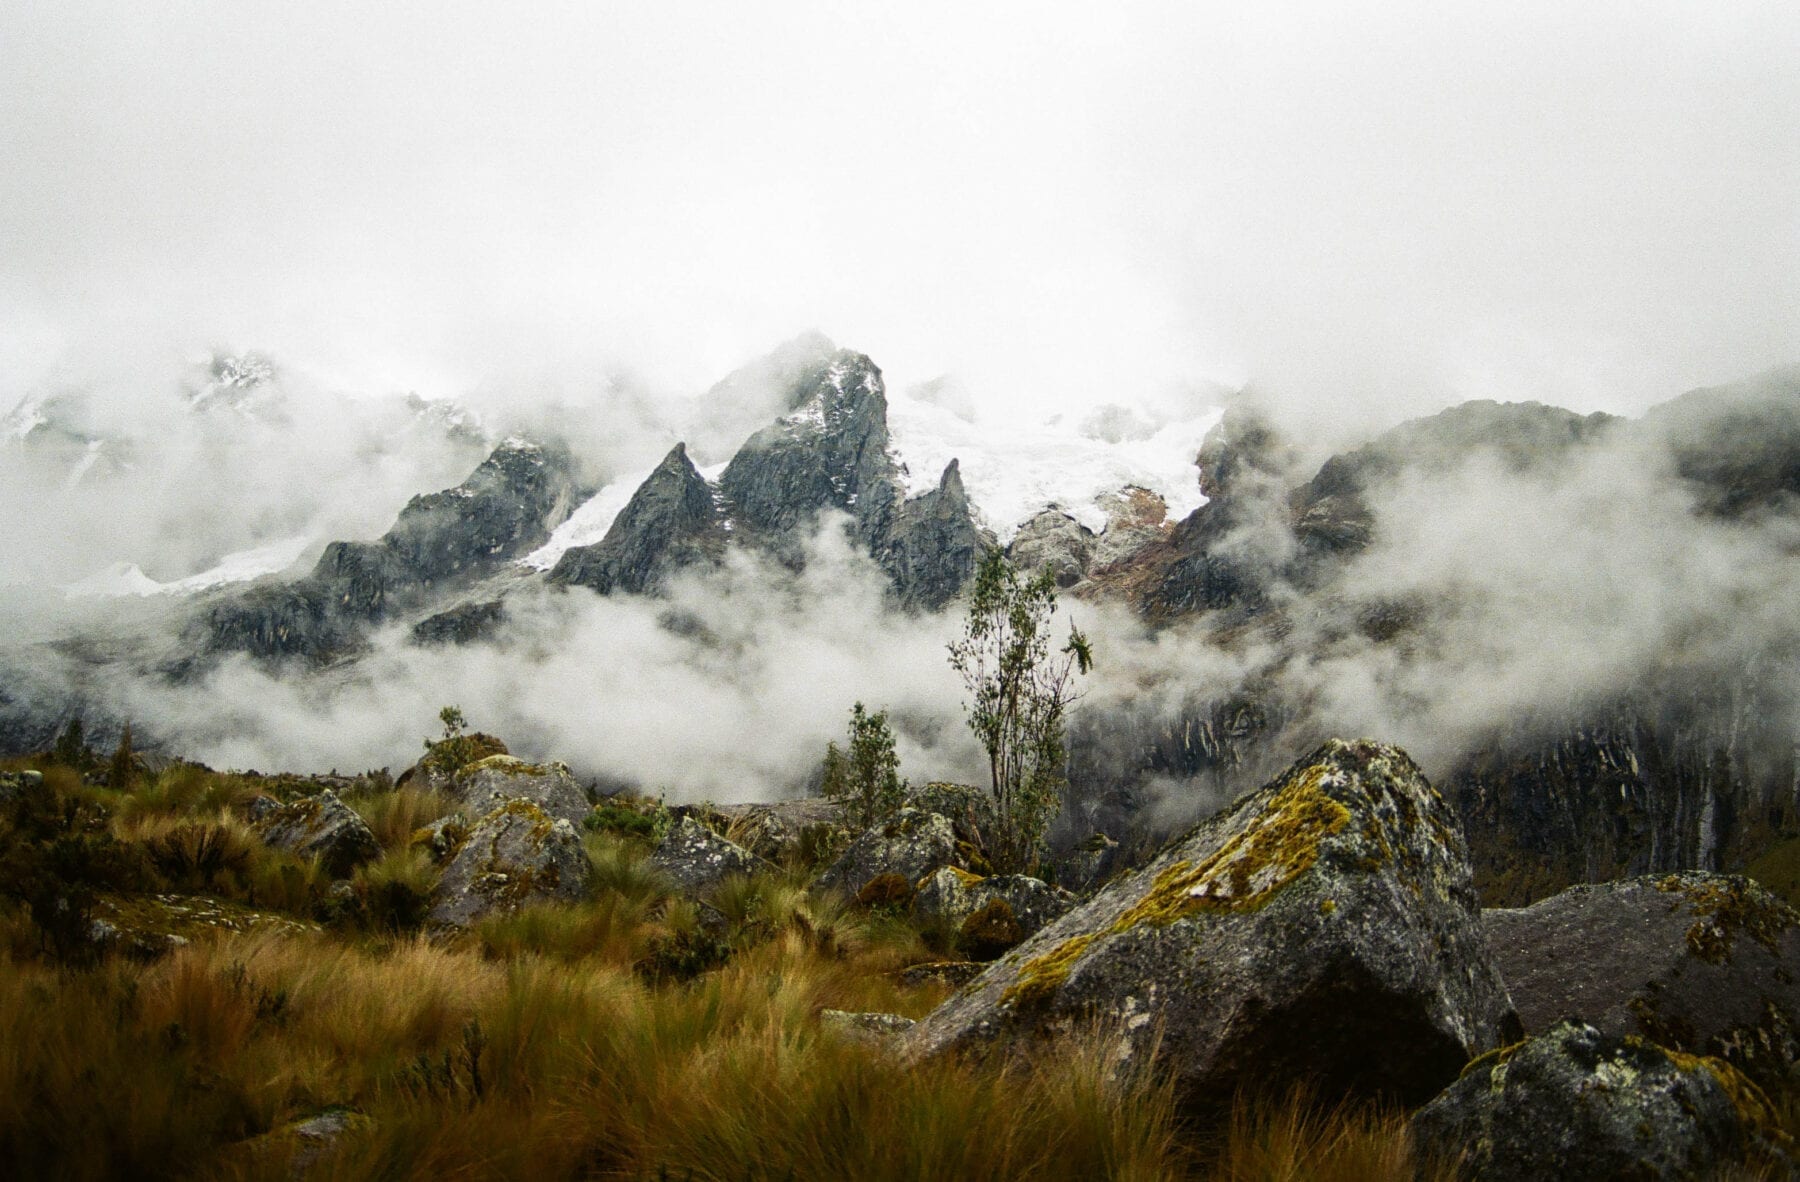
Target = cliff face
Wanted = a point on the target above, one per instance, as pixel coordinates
(828, 453)
(671, 522)
(440, 543)
(1688, 762)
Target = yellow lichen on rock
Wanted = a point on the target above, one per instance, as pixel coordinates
(1280, 845)
(1043, 975)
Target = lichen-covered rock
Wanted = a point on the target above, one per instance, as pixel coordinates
(954, 973)
(697, 859)
(788, 830)
(436, 770)
(1323, 929)
(443, 837)
(515, 855)
(912, 844)
(869, 1028)
(15, 784)
(1581, 1106)
(148, 926)
(320, 826)
(955, 896)
(1703, 963)
(489, 783)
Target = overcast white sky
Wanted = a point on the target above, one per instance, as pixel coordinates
(1383, 207)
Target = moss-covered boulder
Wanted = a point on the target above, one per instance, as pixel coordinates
(696, 859)
(490, 782)
(1323, 929)
(912, 844)
(1704, 963)
(436, 770)
(514, 855)
(320, 826)
(954, 896)
(1582, 1106)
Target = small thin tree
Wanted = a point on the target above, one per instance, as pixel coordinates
(1019, 697)
(866, 780)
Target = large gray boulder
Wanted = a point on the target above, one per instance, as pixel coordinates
(1323, 929)
(488, 783)
(515, 855)
(1703, 963)
(991, 913)
(320, 826)
(1581, 1106)
(911, 844)
(697, 859)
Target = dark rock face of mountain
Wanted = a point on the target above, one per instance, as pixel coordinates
(829, 452)
(933, 545)
(1738, 445)
(440, 542)
(671, 522)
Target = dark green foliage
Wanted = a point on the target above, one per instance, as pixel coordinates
(623, 819)
(123, 770)
(56, 856)
(200, 856)
(866, 780)
(1019, 697)
(71, 747)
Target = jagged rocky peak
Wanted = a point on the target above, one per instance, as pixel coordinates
(829, 451)
(934, 544)
(1737, 445)
(672, 521)
(440, 541)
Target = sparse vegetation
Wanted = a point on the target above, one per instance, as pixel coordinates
(865, 780)
(1019, 696)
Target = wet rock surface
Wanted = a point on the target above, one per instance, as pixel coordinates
(1011, 902)
(671, 522)
(1323, 929)
(1703, 963)
(515, 855)
(488, 783)
(696, 859)
(1582, 1106)
(320, 826)
(910, 845)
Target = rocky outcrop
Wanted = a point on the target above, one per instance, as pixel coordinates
(320, 826)
(696, 859)
(463, 624)
(1053, 541)
(933, 545)
(1738, 446)
(829, 452)
(910, 845)
(671, 522)
(870, 1029)
(1582, 1106)
(1351, 857)
(486, 784)
(440, 541)
(437, 768)
(515, 855)
(1702, 963)
(1004, 908)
